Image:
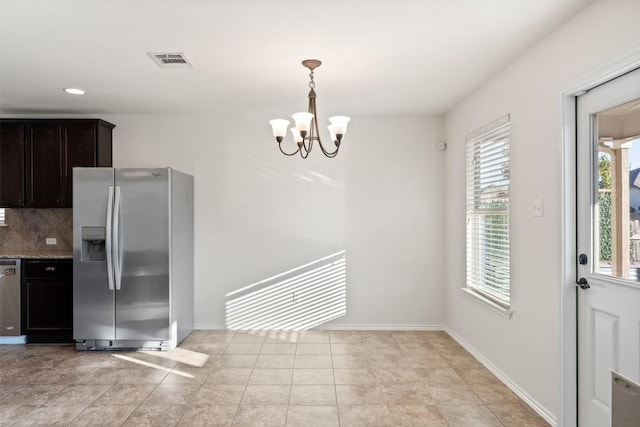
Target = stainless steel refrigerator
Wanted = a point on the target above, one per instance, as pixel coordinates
(132, 258)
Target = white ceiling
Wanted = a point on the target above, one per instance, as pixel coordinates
(379, 56)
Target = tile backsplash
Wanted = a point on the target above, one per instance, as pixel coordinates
(28, 229)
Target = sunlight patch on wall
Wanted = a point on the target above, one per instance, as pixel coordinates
(298, 299)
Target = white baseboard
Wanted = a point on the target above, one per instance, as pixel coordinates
(369, 327)
(541, 410)
(208, 327)
(355, 327)
(20, 339)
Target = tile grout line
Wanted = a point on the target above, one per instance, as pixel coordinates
(333, 372)
(137, 407)
(295, 353)
(248, 379)
(195, 393)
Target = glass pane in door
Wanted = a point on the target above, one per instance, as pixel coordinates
(617, 216)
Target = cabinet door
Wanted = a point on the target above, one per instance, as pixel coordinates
(78, 149)
(12, 166)
(48, 309)
(44, 166)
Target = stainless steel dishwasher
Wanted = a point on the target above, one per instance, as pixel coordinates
(10, 302)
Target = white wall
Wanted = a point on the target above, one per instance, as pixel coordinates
(259, 213)
(525, 348)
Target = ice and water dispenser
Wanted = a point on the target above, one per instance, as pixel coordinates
(93, 243)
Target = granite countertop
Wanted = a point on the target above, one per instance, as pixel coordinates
(38, 254)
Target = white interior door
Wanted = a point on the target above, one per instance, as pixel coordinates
(608, 215)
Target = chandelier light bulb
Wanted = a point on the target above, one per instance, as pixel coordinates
(303, 122)
(279, 128)
(332, 132)
(296, 136)
(339, 124)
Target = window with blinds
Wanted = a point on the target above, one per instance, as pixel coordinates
(488, 270)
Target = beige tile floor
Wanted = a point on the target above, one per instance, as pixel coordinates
(312, 378)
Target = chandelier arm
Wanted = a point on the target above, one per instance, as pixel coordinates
(327, 153)
(314, 132)
(288, 154)
(305, 148)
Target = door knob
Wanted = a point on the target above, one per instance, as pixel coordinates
(582, 282)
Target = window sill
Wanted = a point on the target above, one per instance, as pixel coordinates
(504, 312)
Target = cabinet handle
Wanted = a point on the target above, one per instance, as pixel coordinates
(20, 201)
(49, 269)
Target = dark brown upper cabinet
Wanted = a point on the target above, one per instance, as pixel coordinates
(12, 161)
(51, 149)
(43, 166)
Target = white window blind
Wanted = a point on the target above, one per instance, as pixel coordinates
(488, 269)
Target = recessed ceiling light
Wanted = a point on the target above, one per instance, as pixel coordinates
(74, 91)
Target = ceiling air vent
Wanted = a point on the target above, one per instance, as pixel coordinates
(170, 59)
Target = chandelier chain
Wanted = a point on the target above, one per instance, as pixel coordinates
(312, 84)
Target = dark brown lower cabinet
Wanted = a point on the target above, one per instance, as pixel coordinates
(47, 301)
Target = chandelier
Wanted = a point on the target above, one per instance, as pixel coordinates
(305, 131)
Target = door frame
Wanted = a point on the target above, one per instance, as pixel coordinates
(568, 392)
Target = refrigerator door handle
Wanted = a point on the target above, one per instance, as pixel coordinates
(116, 239)
(109, 238)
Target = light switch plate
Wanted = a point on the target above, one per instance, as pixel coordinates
(51, 241)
